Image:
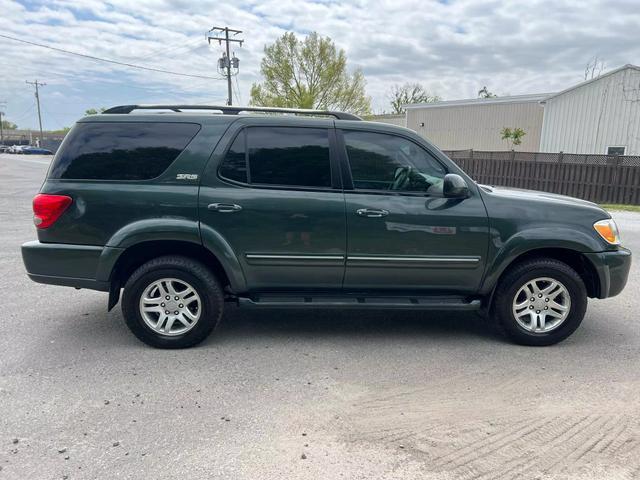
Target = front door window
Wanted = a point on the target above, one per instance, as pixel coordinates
(391, 163)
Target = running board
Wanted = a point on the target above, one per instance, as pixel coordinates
(354, 301)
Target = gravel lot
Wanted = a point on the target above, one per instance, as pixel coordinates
(305, 394)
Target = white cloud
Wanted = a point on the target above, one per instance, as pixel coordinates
(454, 47)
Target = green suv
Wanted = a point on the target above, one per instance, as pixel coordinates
(185, 208)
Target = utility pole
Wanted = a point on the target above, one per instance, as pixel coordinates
(2, 105)
(38, 84)
(226, 62)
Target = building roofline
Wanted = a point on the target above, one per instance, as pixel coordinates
(591, 80)
(530, 98)
(384, 115)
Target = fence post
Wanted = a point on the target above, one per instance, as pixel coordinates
(559, 186)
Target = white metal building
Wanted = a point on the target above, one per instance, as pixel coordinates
(477, 123)
(601, 115)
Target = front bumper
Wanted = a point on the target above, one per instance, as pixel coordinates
(613, 270)
(69, 265)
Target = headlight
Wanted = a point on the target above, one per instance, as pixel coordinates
(608, 230)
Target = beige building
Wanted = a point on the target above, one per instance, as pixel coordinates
(476, 123)
(393, 119)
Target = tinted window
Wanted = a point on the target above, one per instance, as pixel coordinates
(388, 162)
(234, 165)
(121, 151)
(289, 156)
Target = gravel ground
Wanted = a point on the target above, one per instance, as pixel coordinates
(313, 394)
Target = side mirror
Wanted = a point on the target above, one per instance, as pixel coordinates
(454, 186)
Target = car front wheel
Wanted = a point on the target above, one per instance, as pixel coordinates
(172, 302)
(540, 302)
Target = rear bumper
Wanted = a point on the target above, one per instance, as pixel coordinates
(64, 264)
(613, 270)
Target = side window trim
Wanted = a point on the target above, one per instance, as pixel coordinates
(247, 165)
(345, 167)
(347, 177)
(337, 181)
(336, 184)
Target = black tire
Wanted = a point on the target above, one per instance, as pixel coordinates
(182, 268)
(518, 276)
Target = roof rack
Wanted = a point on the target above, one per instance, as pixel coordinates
(230, 110)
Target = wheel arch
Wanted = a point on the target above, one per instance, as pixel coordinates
(573, 258)
(139, 253)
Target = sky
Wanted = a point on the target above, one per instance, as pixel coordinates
(452, 47)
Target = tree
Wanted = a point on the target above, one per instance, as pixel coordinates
(485, 93)
(593, 68)
(309, 73)
(7, 125)
(64, 130)
(93, 111)
(409, 93)
(513, 136)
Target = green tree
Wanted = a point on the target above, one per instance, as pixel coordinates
(512, 136)
(309, 73)
(485, 93)
(7, 125)
(409, 93)
(93, 111)
(64, 130)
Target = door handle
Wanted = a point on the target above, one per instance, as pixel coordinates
(372, 212)
(224, 207)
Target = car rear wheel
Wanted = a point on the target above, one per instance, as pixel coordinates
(172, 302)
(540, 302)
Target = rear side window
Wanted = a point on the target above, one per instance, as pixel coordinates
(121, 151)
(284, 156)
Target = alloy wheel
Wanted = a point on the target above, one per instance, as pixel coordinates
(170, 306)
(541, 305)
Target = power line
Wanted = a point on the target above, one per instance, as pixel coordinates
(3, 105)
(190, 45)
(154, 86)
(238, 93)
(115, 62)
(18, 118)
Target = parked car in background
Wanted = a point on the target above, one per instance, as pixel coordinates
(16, 149)
(36, 151)
(4, 148)
(185, 212)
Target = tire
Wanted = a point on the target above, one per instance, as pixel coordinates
(169, 274)
(511, 297)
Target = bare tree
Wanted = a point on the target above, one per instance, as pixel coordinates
(409, 93)
(593, 68)
(485, 93)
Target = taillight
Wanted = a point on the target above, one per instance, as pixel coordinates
(48, 208)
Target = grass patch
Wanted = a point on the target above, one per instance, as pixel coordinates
(621, 208)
